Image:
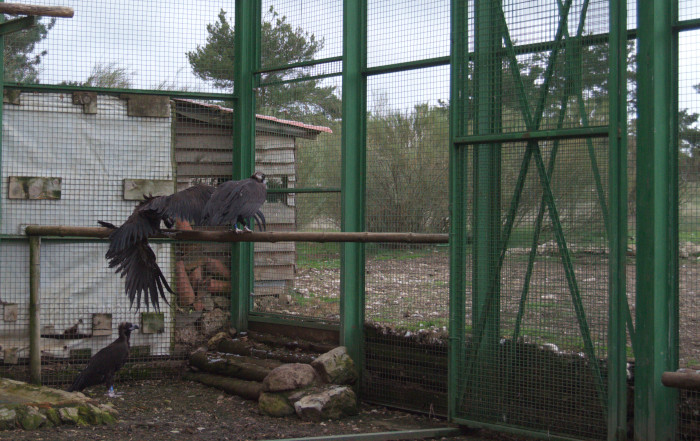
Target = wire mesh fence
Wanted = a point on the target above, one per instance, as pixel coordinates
(111, 105)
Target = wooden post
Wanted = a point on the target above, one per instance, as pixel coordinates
(34, 310)
(44, 11)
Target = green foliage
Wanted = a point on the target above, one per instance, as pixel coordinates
(407, 175)
(21, 63)
(106, 75)
(281, 44)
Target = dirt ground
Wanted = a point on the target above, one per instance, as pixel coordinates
(411, 292)
(183, 410)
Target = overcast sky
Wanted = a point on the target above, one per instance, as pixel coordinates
(150, 40)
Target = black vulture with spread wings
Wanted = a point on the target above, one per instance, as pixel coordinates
(129, 252)
(132, 257)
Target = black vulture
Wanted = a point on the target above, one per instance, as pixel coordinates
(131, 256)
(103, 365)
(235, 201)
(129, 251)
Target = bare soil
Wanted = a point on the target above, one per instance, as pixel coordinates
(410, 293)
(182, 410)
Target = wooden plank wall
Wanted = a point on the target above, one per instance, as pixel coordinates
(203, 153)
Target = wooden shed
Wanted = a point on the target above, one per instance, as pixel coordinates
(203, 153)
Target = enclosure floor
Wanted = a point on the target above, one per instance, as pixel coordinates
(181, 410)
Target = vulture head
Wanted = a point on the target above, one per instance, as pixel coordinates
(125, 329)
(259, 176)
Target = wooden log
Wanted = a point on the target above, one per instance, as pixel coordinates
(684, 379)
(34, 310)
(261, 351)
(214, 267)
(246, 389)
(185, 293)
(229, 365)
(43, 11)
(215, 286)
(229, 236)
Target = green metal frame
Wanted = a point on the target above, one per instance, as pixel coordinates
(657, 221)
(247, 54)
(618, 306)
(353, 172)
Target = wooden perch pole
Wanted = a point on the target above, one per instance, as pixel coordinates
(43, 11)
(681, 379)
(229, 236)
(34, 310)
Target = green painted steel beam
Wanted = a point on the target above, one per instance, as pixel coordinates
(353, 172)
(618, 307)
(300, 79)
(303, 190)
(408, 65)
(458, 166)
(687, 25)
(2, 94)
(655, 406)
(116, 92)
(536, 135)
(18, 24)
(514, 430)
(437, 432)
(247, 54)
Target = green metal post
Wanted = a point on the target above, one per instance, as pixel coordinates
(2, 95)
(352, 267)
(617, 180)
(655, 414)
(487, 188)
(246, 53)
(458, 200)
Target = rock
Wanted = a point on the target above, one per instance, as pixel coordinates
(334, 402)
(7, 418)
(188, 336)
(213, 321)
(222, 302)
(214, 341)
(52, 416)
(69, 415)
(275, 404)
(289, 377)
(33, 419)
(336, 367)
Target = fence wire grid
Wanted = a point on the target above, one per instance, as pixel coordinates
(113, 104)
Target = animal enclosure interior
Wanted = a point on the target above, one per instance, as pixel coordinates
(531, 140)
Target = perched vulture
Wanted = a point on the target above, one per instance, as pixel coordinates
(129, 252)
(103, 365)
(235, 201)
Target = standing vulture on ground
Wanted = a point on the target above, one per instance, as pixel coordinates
(129, 252)
(103, 365)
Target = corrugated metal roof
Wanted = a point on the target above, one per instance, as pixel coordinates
(262, 117)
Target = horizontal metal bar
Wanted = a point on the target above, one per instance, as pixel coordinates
(388, 436)
(409, 65)
(230, 236)
(305, 190)
(16, 25)
(536, 135)
(300, 79)
(687, 25)
(513, 430)
(109, 91)
(683, 379)
(300, 64)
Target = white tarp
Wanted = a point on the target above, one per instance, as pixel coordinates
(48, 136)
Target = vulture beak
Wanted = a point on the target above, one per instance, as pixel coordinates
(132, 327)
